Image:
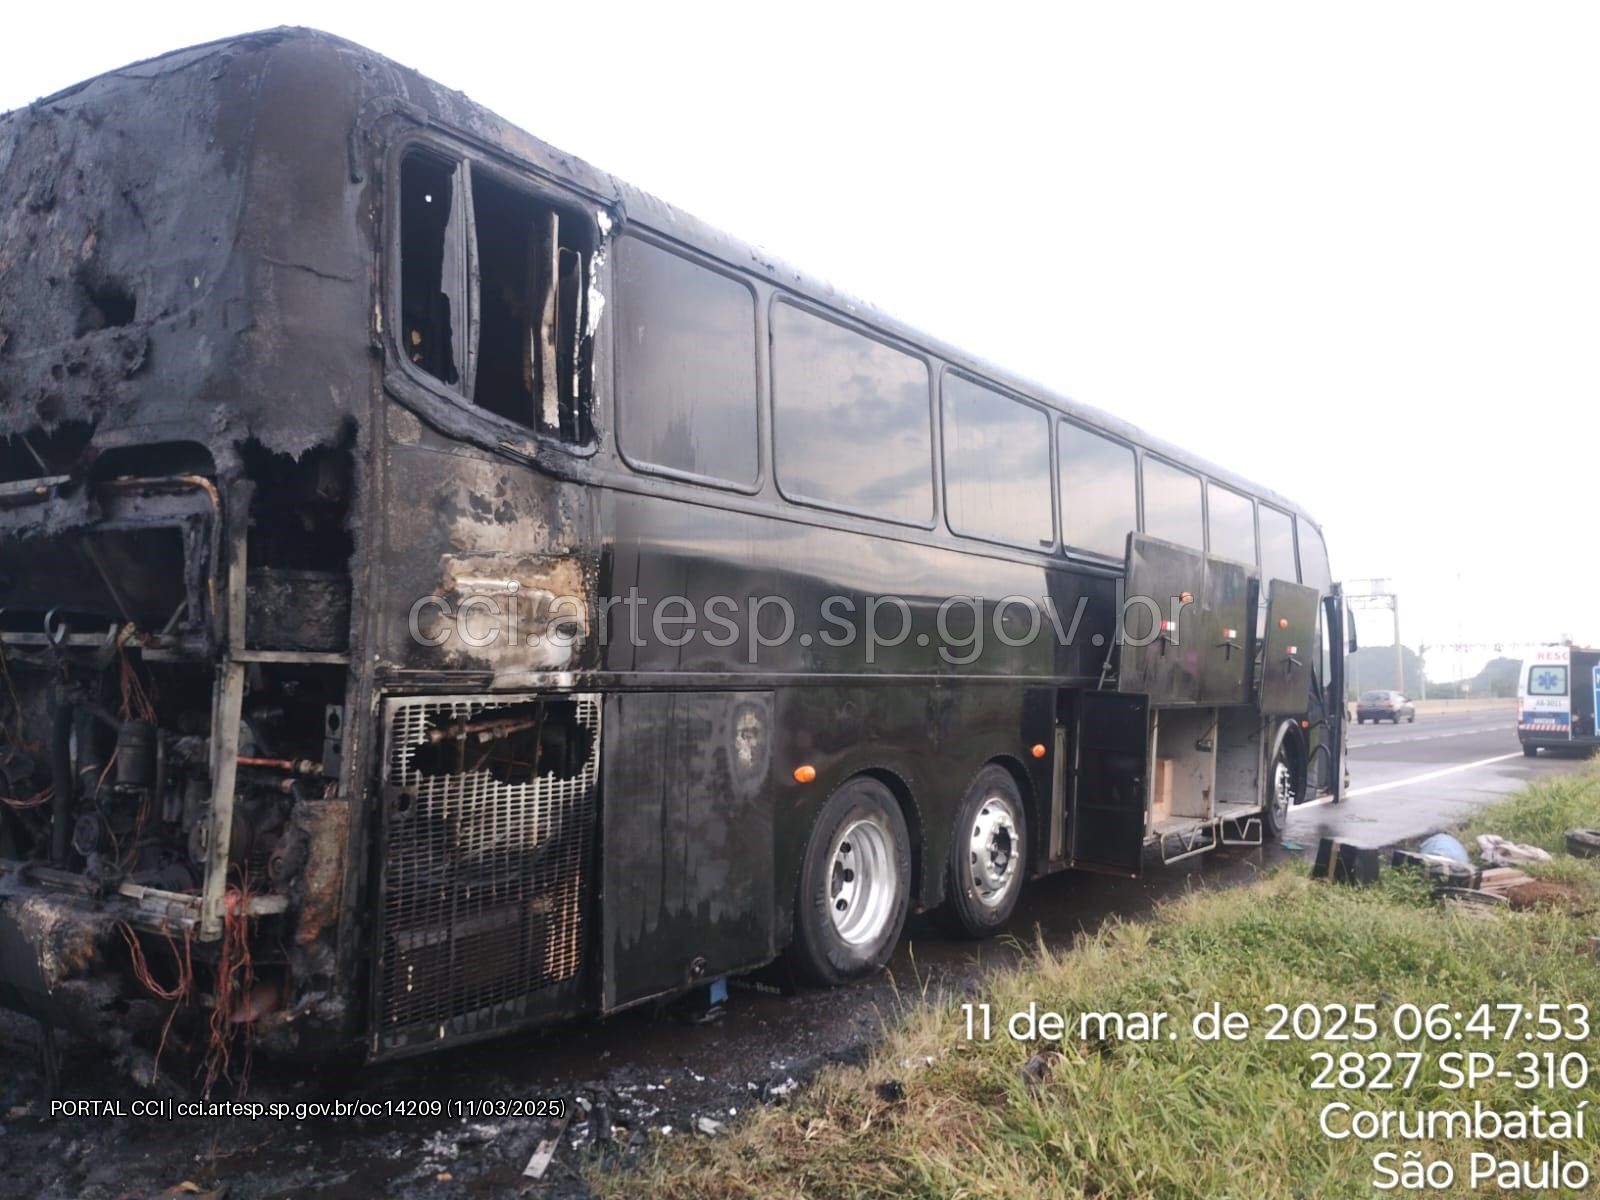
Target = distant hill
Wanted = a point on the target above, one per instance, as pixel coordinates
(1498, 678)
(1372, 667)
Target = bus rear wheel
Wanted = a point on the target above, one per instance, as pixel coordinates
(855, 886)
(988, 855)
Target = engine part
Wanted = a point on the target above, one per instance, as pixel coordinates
(136, 754)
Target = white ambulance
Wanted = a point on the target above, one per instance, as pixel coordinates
(1557, 695)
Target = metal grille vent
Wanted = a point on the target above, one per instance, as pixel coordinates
(484, 859)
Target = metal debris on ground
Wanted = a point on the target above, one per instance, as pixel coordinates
(1444, 871)
(544, 1152)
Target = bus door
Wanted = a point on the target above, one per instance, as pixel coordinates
(1328, 774)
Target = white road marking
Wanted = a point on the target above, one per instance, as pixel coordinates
(1425, 777)
(1425, 737)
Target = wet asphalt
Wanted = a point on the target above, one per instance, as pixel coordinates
(654, 1073)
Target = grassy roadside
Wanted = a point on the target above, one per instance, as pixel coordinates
(936, 1114)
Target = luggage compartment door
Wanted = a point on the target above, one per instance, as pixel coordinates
(1110, 781)
(687, 849)
(1291, 646)
(1224, 631)
(1158, 620)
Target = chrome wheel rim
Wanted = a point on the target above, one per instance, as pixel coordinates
(862, 881)
(1282, 790)
(992, 851)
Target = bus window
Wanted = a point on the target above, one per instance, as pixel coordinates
(432, 265)
(1172, 504)
(996, 466)
(686, 367)
(1099, 496)
(1231, 520)
(533, 263)
(1314, 559)
(527, 358)
(852, 419)
(1277, 546)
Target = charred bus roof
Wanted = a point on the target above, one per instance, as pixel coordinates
(189, 242)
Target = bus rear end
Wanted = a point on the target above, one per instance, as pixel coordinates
(184, 390)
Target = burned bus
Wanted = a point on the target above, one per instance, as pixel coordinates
(444, 589)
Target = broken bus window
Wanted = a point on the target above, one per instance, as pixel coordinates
(527, 352)
(432, 279)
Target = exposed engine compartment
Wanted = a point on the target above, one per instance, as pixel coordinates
(173, 682)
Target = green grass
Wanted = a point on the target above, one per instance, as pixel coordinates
(1542, 812)
(1179, 1118)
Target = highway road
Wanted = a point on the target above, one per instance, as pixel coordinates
(1410, 780)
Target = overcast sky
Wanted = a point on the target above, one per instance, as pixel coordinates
(1351, 251)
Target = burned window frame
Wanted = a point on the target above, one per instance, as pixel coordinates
(476, 422)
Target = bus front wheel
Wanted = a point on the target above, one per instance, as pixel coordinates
(988, 855)
(1283, 790)
(855, 886)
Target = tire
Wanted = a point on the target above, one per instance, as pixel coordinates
(855, 886)
(988, 855)
(1412, 719)
(1283, 792)
(1529, 751)
(1361, 720)
(1583, 843)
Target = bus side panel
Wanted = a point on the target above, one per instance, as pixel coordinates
(687, 848)
(700, 588)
